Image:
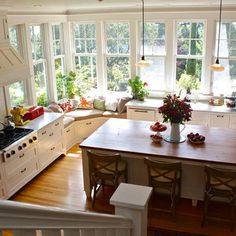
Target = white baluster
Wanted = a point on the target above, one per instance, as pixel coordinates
(87, 232)
(71, 232)
(24, 232)
(51, 232)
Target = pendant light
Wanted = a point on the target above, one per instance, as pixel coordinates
(143, 62)
(217, 66)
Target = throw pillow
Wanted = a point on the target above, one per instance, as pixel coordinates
(99, 104)
(121, 108)
(55, 107)
(85, 104)
(111, 105)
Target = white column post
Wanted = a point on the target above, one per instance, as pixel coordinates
(132, 201)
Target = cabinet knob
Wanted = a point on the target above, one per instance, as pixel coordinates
(19, 147)
(13, 152)
(8, 155)
(30, 140)
(24, 145)
(35, 138)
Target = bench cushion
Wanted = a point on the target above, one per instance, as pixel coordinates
(84, 114)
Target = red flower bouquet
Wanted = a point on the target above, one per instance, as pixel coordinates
(175, 110)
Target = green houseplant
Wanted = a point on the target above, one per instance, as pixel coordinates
(138, 88)
(70, 84)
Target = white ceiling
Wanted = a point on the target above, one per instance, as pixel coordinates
(67, 6)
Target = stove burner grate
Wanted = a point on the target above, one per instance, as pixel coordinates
(9, 137)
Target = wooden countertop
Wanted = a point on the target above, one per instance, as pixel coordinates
(132, 136)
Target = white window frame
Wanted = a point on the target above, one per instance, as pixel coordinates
(107, 55)
(202, 57)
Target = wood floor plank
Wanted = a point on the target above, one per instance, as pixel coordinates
(61, 185)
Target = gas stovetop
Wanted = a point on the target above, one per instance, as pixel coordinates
(9, 137)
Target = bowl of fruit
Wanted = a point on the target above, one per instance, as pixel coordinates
(196, 138)
(158, 127)
(156, 138)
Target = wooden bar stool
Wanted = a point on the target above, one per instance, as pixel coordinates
(220, 183)
(106, 170)
(165, 176)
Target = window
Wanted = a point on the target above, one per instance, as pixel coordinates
(154, 51)
(17, 91)
(40, 77)
(59, 58)
(189, 54)
(226, 80)
(117, 55)
(85, 56)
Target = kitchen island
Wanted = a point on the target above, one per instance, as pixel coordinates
(132, 140)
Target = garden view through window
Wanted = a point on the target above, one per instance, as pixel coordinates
(189, 55)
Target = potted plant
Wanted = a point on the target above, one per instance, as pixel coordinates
(188, 82)
(70, 85)
(138, 88)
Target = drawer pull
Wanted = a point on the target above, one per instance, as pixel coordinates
(21, 155)
(52, 148)
(220, 116)
(142, 111)
(89, 123)
(22, 171)
(57, 124)
(68, 131)
(44, 132)
(51, 134)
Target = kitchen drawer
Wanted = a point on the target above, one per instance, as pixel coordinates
(21, 176)
(69, 137)
(232, 122)
(52, 130)
(141, 114)
(15, 161)
(199, 118)
(50, 154)
(219, 120)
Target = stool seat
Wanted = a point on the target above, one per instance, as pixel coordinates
(220, 183)
(165, 176)
(107, 169)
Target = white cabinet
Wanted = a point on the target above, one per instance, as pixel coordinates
(69, 136)
(87, 127)
(219, 120)
(50, 145)
(199, 118)
(232, 121)
(141, 114)
(4, 35)
(2, 188)
(19, 170)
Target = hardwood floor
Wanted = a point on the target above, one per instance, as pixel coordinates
(61, 185)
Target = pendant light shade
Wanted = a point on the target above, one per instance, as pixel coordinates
(143, 62)
(216, 66)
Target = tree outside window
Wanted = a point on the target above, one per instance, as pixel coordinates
(226, 80)
(155, 51)
(17, 91)
(40, 76)
(85, 57)
(117, 55)
(189, 54)
(59, 58)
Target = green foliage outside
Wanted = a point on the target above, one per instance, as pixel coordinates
(138, 88)
(188, 82)
(70, 82)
